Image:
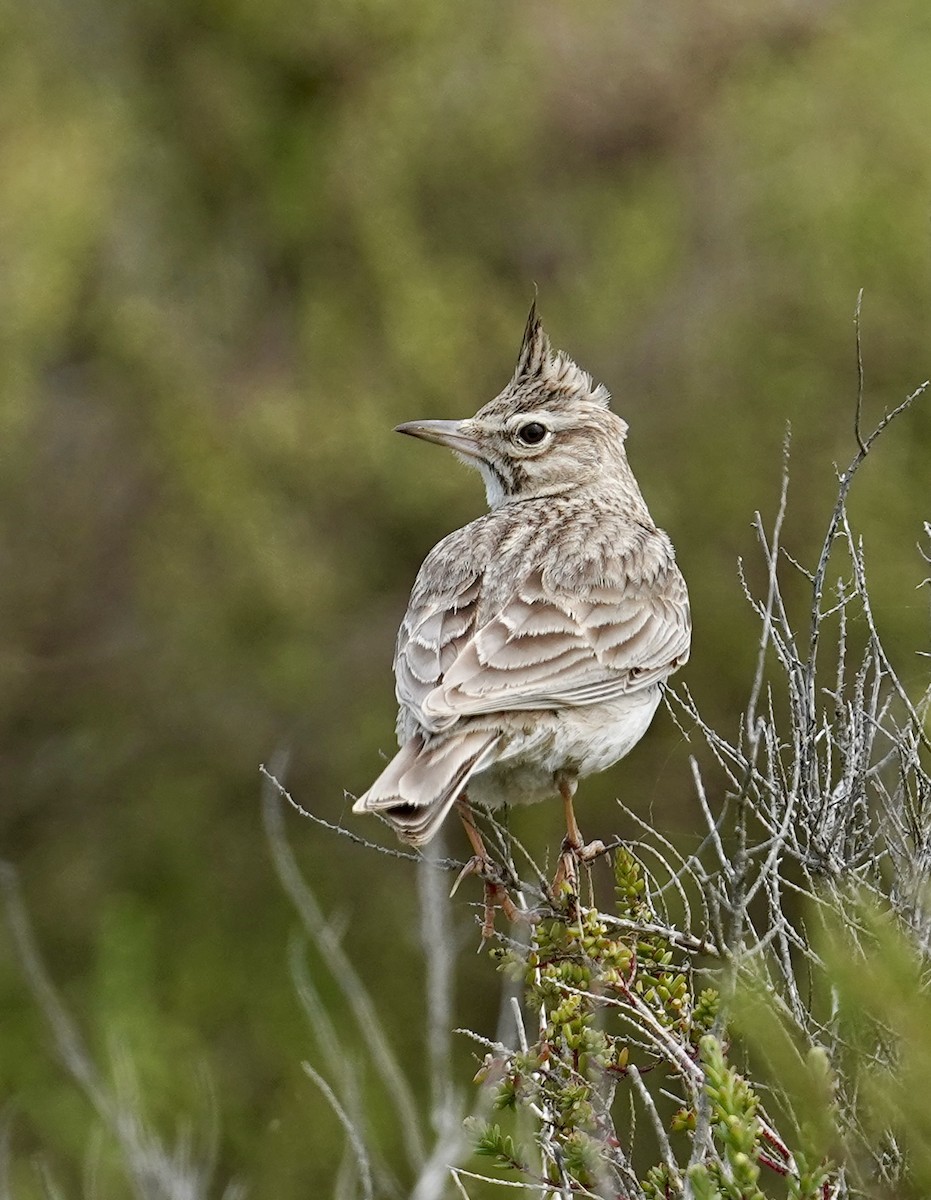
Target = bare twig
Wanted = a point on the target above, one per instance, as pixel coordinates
(357, 997)
(856, 424)
(154, 1170)
(355, 1139)
(659, 1128)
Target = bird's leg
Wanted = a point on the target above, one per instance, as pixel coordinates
(481, 864)
(574, 850)
(566, 790)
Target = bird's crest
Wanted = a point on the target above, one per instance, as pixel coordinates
(538, 364)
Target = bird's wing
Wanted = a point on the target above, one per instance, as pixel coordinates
(435, 629)
(545, 648)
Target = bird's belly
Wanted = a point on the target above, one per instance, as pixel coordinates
(578, 741)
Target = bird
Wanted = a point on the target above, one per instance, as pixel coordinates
(538, 637)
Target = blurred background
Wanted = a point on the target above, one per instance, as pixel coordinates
(238, 244)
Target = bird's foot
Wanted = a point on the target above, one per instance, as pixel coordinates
(570, 856)
(496, 883)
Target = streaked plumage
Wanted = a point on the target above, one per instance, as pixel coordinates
(537, 637)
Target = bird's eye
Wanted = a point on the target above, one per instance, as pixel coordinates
(532, 434)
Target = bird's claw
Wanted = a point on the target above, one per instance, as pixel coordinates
(570, 856)
(475, 866)
(496, 892)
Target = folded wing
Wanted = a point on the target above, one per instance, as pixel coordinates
(544, 649)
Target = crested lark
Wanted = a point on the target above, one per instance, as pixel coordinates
(537, 638)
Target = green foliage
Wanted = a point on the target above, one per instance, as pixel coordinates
(629, 886)
(490, 1142)
(580, 973)
(706, 1010)
(733, 1114)
(824, 1107)
(658, 1184)
(860, 1106)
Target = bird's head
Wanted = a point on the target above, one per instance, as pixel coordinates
(549, 432)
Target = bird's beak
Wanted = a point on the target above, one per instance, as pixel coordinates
(444, 433)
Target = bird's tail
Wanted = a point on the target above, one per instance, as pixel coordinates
(424, 780)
